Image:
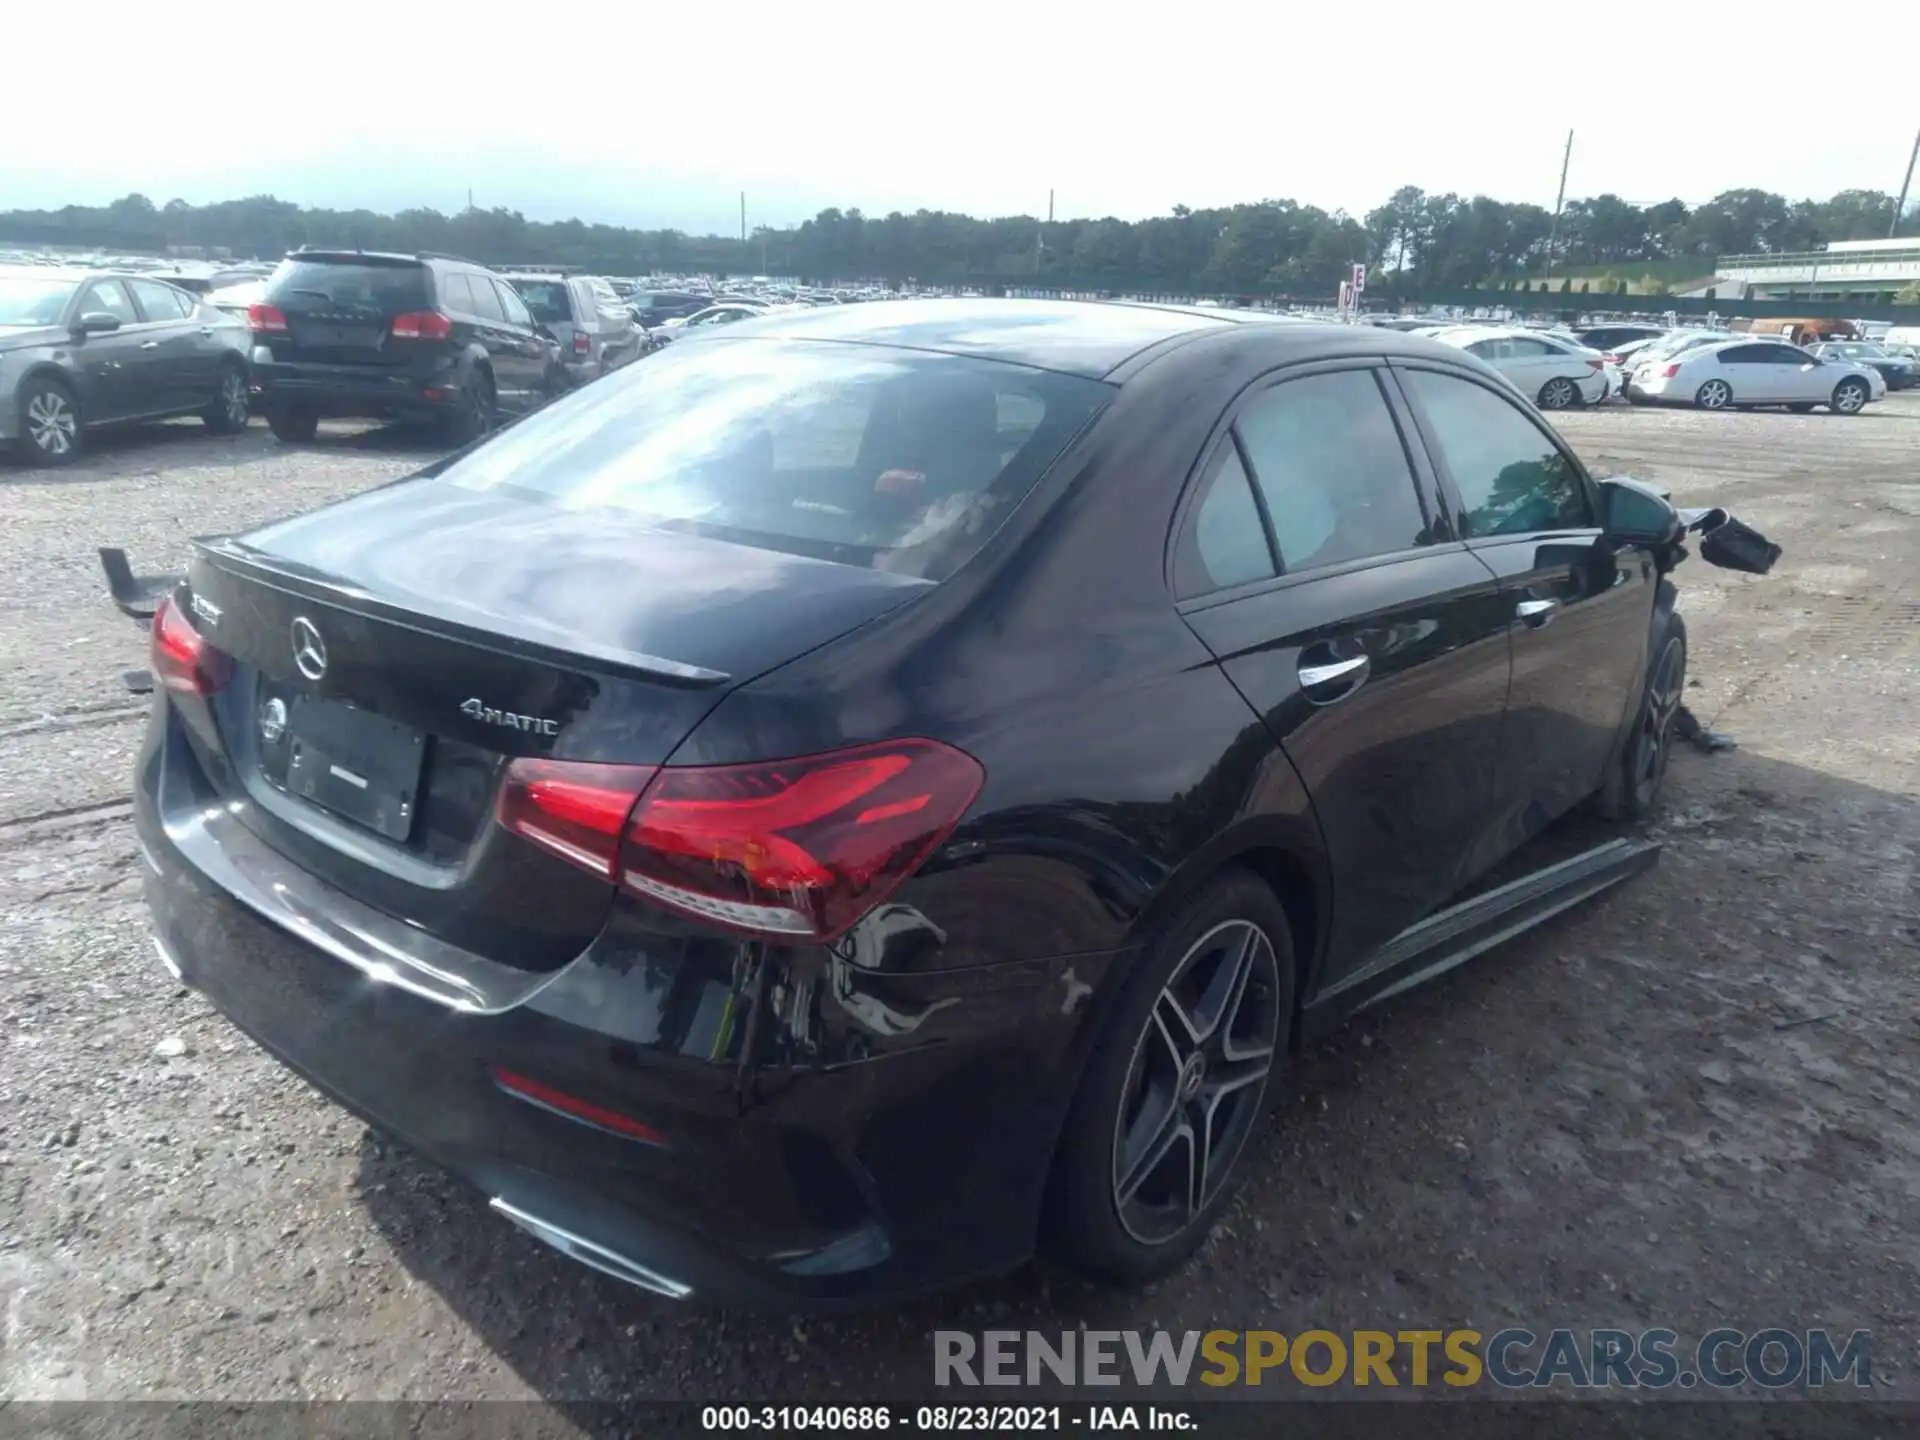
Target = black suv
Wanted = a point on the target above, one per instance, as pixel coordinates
(351, 332)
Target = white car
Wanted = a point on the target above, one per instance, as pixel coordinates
(1747, 372)
(1558, 374)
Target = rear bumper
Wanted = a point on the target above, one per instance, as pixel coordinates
(354, 390)
(774, 1185)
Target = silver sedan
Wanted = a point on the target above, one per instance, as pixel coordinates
(1736, 374)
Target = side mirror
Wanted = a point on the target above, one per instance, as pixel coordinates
(97, 322)
(1633, 512)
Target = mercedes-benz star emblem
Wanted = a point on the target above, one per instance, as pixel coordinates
(309, 650)
(273, 720)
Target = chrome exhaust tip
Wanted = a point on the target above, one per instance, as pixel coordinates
(599, 1257)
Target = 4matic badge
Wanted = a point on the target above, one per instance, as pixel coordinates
(477, 709)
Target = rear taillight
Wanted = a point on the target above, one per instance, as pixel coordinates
(183, 661)
(1669, 372)
(794, 848)
(422, 325)
(266, 320)
(582, 343)
(1596, 364)
(1613, 359)
(577, 810)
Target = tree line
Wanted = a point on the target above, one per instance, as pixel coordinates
(1414, 240)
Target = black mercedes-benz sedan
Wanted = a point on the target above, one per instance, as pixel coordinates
(875, 790)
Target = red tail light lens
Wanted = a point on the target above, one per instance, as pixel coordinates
(422, 325)
(1611, 359)
(1596, 364)
(266, 320)
(577, 810)
(183, 661)
(582, 343)
(799, 849)
(1669, 372)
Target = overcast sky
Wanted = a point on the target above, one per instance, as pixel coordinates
(1123, 109)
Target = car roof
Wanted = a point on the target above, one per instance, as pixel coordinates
(1079, 337)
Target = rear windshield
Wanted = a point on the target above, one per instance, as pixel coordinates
(547, 299)
(898, 460)
(340, 286)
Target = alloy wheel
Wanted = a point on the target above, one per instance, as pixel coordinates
(1656, 719)
(1849, 397)
(1714, 395)
(1195, 1083)
(51, 423)
(233, 398)
(1558, 395)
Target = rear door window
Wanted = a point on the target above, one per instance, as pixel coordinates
(159, 302)
(1330, 464)
(456, 294)
(892, 459)
(510, 301)
(486, 303)
(1226, 540)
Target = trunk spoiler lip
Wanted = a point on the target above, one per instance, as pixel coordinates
(227, 554)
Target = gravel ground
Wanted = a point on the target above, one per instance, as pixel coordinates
(1690, 1103)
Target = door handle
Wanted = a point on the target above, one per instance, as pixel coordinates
(1335, 680)
(151, 345)
(1536, 612)
(206, 329)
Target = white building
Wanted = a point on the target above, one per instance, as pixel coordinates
(1871, 270)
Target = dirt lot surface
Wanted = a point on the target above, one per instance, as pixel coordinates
(1691, 1103)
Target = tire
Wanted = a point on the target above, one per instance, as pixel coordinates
(1559, 393)
(1714, 395)
(1801, 407)
(1850, 396)
(296, 423)
(1633, 789)
(52, 431)
(228, 413)
(1114, 1212)
(473, 413)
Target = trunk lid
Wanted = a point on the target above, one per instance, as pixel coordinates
(340, 308)
(395, 651)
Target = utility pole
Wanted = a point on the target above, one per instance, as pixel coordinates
(743, 224)
(1040, 240)
(1905, 185)
(469, 197)
(1559, 203)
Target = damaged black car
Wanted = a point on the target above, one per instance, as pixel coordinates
(872, 792)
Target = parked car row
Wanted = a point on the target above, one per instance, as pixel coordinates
(326, 333)
(1651, 364)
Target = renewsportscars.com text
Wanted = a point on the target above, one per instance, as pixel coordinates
(1514, 1358)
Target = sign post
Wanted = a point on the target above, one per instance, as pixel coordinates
(1358, 287)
